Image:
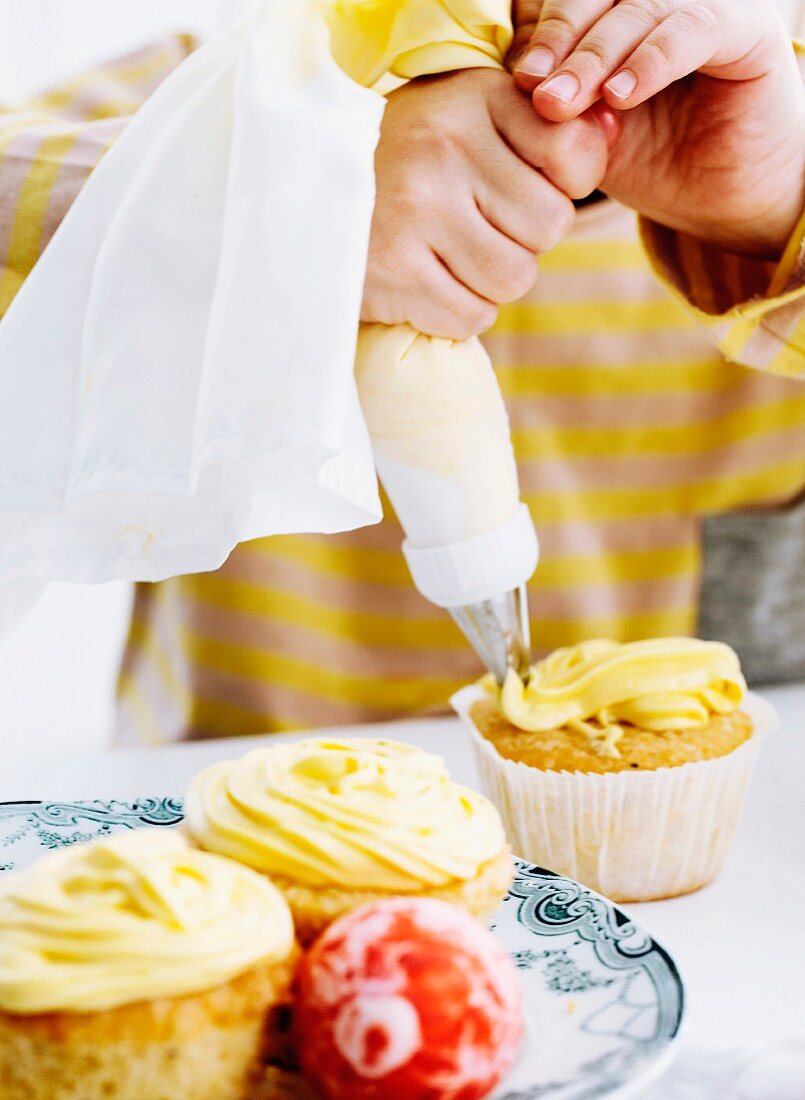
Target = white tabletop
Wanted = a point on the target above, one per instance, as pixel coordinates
(740, 943)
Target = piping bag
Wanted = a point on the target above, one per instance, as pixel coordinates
(442, 448)
(177, 370)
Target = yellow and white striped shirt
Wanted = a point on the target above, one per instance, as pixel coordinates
(632, 422)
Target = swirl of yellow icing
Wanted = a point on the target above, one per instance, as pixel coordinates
(658, 684)
(358, 814)
(131, 918)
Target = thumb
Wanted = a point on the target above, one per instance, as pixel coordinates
(608, 120)
(525, 16)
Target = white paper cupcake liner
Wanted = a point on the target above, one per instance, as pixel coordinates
(632, 836)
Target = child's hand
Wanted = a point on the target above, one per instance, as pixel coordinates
(471, 187)
(713, 137)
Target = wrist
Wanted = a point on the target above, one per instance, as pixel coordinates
(766, 239)
(762, 227)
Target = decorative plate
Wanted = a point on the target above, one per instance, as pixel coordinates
(604, 1002)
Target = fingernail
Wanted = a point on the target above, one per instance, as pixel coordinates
(622, 84)
(537, 62)
(564, 87)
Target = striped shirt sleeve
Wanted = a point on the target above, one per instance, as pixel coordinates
(753, 311)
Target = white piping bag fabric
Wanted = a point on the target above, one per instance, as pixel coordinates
(176, 374)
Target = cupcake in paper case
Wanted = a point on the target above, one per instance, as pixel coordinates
(623, 766)
(137, 966)
(338, 823)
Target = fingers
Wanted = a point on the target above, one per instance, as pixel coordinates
(573, 156)
(609, 121)
(558, 28)
(579, 79)
(485, 260)
(447, 308)
(452, 312)
(639, 47)
(435, 303)
(482, 253)
(538, 215)
(683, 43)
(525, 14)
(471, 185)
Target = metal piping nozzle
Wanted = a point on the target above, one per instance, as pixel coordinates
(498, 630)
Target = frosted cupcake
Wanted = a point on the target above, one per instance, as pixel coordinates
(621, 765)
(337, 823)
(137, 966)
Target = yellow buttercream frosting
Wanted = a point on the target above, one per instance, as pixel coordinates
(658, 684)
(435, 405)
(131, 918)
(356, 814)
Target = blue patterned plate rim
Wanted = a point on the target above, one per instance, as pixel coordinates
(577, 948)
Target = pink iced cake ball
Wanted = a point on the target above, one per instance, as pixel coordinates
(407, 999)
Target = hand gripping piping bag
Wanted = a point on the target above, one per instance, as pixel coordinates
(178, 372)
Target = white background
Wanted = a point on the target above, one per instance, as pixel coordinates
(42, 41)
(57, 670)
